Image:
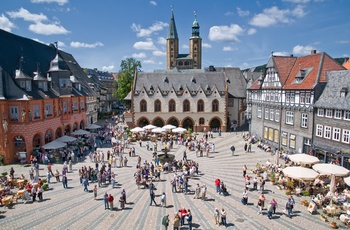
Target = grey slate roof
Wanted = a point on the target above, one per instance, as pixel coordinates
(172, 32)
(193, 80)
(330, 97)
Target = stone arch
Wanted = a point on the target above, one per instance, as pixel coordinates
(75, 126)
(188, 123)
(158, 121)
(58, 133)
(142, 121)
(173, 121)
(48, 136)
(37, 140)
(215, 122)
(81, 126)
(67, 130)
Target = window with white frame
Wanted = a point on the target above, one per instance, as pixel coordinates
(259, 112)
(292, 98)
(307, 98)
(267, 96)
(337, 114)
(287, 97)
(272, 97)
(272, 114)
(292, 138)
(289, 117)
(347, 115)
(336, 134)
(304, 120)
(14, 116)
(266, 113)
(82, 105)
(346, 136)
(36, 111)
(319, 130)
(302, 98)
(327, 132)
(48, 109)
(284, 138)
(75, 105)
(329, 113)
(277, 115)
(320, 112)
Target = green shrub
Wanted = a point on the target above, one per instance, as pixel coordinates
(45, 187)
(4, 174)
(288, 192)
(306, 193)
(44, 181)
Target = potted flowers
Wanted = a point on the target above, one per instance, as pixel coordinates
(305, 203)
(324, 217)
(332, 224)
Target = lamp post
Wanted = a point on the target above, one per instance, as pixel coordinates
(249, 117)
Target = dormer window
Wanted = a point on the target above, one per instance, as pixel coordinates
(343, 92)
(22, 84)
(28, 85)
(166, 80)
(151, 88)
(300, 76)
(193, 80)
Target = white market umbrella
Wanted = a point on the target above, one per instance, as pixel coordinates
(54, 145)
(300, 173)
(179, 130)
(330, 169)
(137, 130)
(158, 130)
(149, 127)
(304, 159)
(169, 127)
(347, 180)
(66, 139)
(80, 132)
(93, 126)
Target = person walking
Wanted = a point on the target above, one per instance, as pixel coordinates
(165, 221)
(95, 192)
(270, 210)
(124, 195)
(217, 185)
(244, 169)
(197, 192)
(152, 195)
(289, 207)
(40, 193)
(262, 199)
(163, 200)
(189, 219)
(176, 222)
(232, 148)
(65, 181)
(216, 216)
(204, 191)
(245, 197)
(184, 158)
(183, 214)
(33, 191)
(274, 205)
(105, 199)
(292, 204)
(223, 217)
(86, 183)
(250, 147)
(110, 201)
(245, 147)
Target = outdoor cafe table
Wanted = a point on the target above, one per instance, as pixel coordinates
(20, 193)
(20, 182)
(7, 201)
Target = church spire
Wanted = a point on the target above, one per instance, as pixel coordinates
(195, 26)
(172, 32)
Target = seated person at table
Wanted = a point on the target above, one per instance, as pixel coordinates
(342, 199)
(223, 189)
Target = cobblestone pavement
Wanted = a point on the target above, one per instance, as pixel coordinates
(75, 209)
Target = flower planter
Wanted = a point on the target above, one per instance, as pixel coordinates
(333, 225)
(324, 219)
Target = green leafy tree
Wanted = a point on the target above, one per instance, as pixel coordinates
(128, 67)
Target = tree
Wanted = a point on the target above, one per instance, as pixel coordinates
(128, 67)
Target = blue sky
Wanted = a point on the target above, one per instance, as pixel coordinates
(236, 33)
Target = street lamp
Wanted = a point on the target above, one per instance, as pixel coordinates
(249, 117)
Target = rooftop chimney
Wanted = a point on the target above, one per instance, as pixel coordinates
(313, 51)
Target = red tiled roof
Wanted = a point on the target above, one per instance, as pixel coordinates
(284, 65)
(347, 64)
(255, 85)
(320, 64)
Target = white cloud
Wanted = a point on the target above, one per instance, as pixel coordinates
(161, 40)
(158, 53)
(229, 13)
(206, 45)
(146, 45)
(150, 61)
(59, 2)
(185, 46)
(251, 31)
(280, 53)
(61, 44)
(139, 55)
(343, 42)
(85, 45)
(225, 33)
(228, 48)
(48, 29)
(140, 32)
(108, 68)
(302, 50)
(297, 1)
(27, 16)
(274, 15)
(154, 3)
(5, 23)
(299, 11)
(242, 13)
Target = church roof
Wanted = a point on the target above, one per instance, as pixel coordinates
(172, 32)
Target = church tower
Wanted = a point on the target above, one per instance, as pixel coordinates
(172, 43)
(196, 45)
